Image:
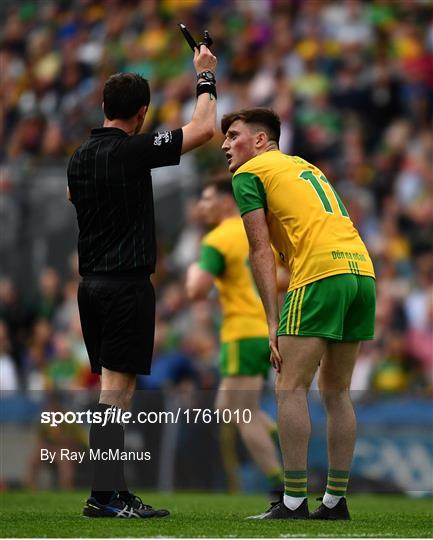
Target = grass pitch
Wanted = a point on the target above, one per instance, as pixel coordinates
(49, 514)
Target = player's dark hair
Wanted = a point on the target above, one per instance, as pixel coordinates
(222, 184)
(124, 94)
(263, 118)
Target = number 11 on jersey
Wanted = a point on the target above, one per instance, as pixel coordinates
(315, 182)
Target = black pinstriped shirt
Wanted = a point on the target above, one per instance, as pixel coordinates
(111, 188)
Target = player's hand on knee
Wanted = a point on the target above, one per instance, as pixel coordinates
(275, 358)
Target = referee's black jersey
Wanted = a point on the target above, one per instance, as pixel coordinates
(111, 188)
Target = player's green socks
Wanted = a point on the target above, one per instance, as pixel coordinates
(336, 487)
(275, 478)
(295, 488)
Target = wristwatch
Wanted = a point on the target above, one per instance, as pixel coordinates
(207, 76)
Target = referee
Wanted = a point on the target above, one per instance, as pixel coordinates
(110, 185)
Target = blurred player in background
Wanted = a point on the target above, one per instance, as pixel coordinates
(244, 354)
(329, 307)
(110, 186)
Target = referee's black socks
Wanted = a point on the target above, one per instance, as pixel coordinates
(108, 474)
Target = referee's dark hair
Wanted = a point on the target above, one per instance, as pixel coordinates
(124, 94)
(263, 118)
(221, 183)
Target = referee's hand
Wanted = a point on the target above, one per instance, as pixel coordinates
(204, 60)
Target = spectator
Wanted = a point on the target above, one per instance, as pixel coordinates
(394, 371)
(49, 294)
(8, 372)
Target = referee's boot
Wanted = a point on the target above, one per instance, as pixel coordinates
(278, 510)
(135, 501)
(115, 508)
(339, 512)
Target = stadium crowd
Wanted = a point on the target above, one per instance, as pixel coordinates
(353, 84)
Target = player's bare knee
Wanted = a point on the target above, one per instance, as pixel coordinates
(117, 398)
(292, 382)
(224, 401)
(332, 384)
(333, 395)
(117, 388)
(239, 393)
(232, 408)
(232, 405)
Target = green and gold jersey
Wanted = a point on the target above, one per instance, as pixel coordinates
(224, 253)
(308, 224)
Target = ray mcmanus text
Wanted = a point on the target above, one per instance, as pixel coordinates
(64, 454)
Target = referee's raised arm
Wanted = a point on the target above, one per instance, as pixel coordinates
(203, 123)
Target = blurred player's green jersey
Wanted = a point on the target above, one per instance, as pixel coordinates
(224, 253)
(308, 223)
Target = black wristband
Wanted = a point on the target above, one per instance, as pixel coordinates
(206, 88)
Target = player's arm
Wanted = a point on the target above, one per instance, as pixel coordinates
(264, 271)
(203, 123)
(198, 282)
(201, 275)
(251, 199)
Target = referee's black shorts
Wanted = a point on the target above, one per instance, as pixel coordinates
(118, 322)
